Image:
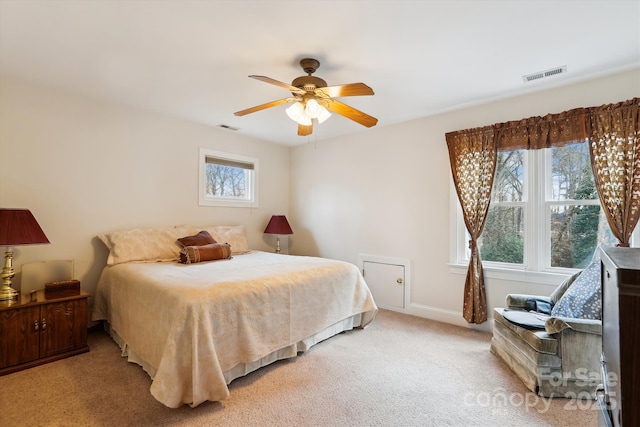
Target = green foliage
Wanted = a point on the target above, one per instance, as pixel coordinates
(584, 227)
(501, 238)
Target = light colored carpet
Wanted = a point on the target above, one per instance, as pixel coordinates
(399, 371)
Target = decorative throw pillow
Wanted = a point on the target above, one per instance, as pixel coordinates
(144, 244)
(234, 235)
(210, 252)
(200, 239)
(583, 299)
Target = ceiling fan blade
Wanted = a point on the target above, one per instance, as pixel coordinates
(351, 89)
(279, 84)
(264, 106)
(305, 130)
(350, 112)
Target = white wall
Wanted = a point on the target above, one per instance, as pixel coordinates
(85, 167)
(387, 192)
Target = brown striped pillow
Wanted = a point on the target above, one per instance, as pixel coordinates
(210, 252)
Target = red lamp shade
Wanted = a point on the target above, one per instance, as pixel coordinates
(278, 224)
(19, 227)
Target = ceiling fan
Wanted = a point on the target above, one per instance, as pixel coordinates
(313, 99)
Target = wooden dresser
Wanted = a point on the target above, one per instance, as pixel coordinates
(36, 330)
(620, 403)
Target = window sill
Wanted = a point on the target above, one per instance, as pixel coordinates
(514, 275)
(228, 203)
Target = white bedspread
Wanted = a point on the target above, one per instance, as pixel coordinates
(191, 324)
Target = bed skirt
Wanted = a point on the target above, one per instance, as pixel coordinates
(243, 369)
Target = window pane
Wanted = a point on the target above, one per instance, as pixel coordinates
(508, 184)
(502, 239)
(576, 232)
(571, 174)
(225, 181)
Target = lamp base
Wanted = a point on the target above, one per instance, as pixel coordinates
(7, 293)
(278, 245)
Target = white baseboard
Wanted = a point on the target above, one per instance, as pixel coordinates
(441, 315)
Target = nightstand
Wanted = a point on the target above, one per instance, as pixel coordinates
(37, 329)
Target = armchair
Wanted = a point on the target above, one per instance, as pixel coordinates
(553, 355)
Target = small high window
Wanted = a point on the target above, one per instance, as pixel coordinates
(228, 179)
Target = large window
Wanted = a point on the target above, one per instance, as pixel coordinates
(545, 213)
(227, 179)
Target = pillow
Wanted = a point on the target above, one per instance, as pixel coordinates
(583, 299)
(210, 252)
(200, 239)
(144, 244)
(560, 290)
(234, 235)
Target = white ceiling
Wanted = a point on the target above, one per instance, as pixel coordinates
(191, 59)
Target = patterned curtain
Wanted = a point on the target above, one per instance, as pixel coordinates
(614, 143)
(472, 154)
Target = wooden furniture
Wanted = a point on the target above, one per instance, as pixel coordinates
(38, 329)
(620, 337)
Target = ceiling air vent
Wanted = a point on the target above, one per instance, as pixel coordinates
(543, 74)
(227, 127)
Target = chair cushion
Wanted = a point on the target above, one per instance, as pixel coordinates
(538, 339)
(583, 299)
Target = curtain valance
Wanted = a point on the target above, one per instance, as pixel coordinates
(535, 133)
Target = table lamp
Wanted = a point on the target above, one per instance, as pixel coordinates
(279, 225)
(17, 227)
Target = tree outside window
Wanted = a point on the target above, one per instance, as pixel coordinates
(502, 239)
(225, 181)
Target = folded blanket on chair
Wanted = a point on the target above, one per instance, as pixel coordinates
(539, 305)
(525, 319)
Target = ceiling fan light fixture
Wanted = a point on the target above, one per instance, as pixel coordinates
(313, 108)
(295, 111)
(298, 114)
(305, 121)
(323, 115)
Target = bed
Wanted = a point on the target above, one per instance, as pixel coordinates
(196, 327)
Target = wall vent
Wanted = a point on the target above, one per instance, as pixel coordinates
(227, 127)
(543, 74)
